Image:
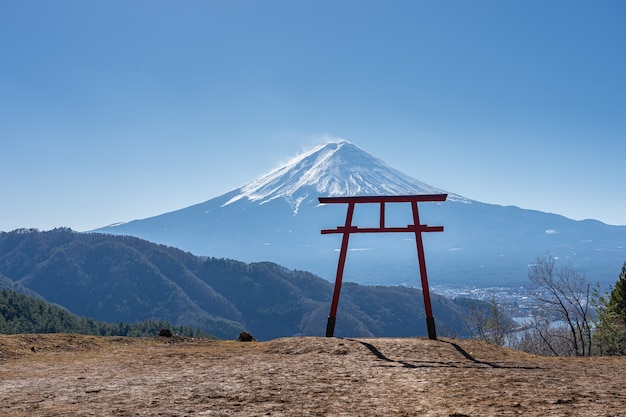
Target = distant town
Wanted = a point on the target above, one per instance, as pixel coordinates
(516, 301)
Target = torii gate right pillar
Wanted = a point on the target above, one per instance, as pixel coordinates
(430, 319)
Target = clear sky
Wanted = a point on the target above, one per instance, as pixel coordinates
(118, 110)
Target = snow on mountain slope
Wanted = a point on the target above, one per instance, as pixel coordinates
(332, 169)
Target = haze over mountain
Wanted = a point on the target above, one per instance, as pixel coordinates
(278, 218)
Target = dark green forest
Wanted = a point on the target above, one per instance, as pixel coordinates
(20, 313)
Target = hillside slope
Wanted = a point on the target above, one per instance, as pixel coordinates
(126, 279)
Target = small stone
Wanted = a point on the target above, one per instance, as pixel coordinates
(165, 333)
(246, 337)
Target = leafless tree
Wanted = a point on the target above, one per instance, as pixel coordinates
(541, 337)
(490, 323)
(564, 298)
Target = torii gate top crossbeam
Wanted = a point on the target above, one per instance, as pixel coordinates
(384, 198)
(413, 199)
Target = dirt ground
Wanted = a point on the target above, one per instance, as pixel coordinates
(70, 375)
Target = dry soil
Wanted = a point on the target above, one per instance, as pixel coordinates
(71, 375)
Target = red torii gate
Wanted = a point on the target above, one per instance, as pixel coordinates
(416, 227)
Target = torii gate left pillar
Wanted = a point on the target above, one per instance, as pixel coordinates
(416, 228)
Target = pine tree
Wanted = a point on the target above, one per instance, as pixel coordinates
(610, 331)
(617, 301)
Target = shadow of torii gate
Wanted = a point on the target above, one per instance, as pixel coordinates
(416, 228)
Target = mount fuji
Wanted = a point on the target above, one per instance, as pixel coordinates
(278, 218)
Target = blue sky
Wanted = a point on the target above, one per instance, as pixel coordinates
(118, 110)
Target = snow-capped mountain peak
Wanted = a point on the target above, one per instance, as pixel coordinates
(277, 218)
(331, 169)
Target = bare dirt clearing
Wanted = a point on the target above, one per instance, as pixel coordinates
(70, 375)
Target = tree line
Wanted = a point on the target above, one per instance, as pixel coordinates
(20, 313)
(571, 319)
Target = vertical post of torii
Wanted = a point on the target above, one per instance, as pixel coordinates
(416, 228)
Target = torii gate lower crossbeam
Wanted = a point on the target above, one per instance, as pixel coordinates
(416, 228)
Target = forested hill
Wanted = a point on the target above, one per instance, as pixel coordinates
(20, 313)
(126, 279)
